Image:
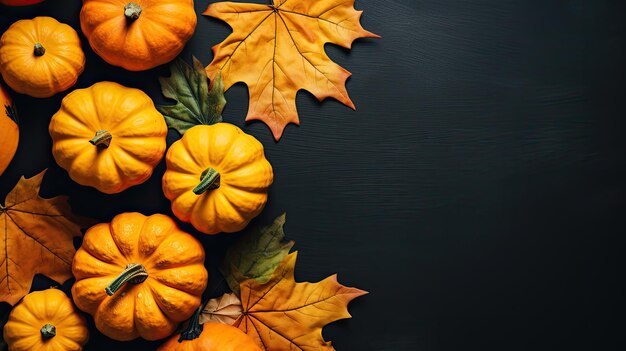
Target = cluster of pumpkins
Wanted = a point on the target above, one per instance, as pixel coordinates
(138, 276)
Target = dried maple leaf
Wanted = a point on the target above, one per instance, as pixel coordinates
(284, 315)
(278, 49)
(224, 309)
(37, 238)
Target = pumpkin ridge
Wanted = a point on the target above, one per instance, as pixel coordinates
(156, 278)
(157, 296)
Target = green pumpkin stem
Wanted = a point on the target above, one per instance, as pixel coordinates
(132, 11)
(39, 50)
(134, 273)
(102, 139)
(209, 180)
(48, 331)
(194, 329)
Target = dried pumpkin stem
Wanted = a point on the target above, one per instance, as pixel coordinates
(209, 180)
(132, 11)
(102, 139)
(134, 273)
(194, 329)
(39, 50)
(48, 331)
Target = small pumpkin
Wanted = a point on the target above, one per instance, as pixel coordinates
(139, 276)
(217, 178)
(46, 320)
(108, 136)
(9, 130)
(210, 337)
(140, 34)
(40, 57)
(20, 2)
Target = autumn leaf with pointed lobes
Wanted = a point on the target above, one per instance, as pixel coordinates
(283, 315)
(278, 49)
(37, 238)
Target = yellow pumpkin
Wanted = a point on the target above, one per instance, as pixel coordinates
(138, 276)
(138, 35)
(9, 131)
(40, 57)
(211, 337)
(108, 136)
(217, 178)
(45, 320)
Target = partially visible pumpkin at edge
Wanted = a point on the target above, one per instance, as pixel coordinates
(20, 2)
(9, 130)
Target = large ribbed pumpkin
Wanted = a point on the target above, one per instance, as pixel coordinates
(217, 178)
(41, 57)
(9, 131)
(138, 276)
(138, 34)
(108, 136)
(45, 321)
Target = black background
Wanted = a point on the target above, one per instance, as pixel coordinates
(477, 193)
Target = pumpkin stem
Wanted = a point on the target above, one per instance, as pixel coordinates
(132, 11)
(194, 329)
(48, 331)
(134, 273)
(39, 50)
(209, 180)
(102, 139)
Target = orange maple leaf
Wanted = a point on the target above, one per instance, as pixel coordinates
(284, 315)
(37, 238)
(278, 49)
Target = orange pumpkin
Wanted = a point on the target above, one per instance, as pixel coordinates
(210, 337)
(9, 131)
(108, 136)
(138, 276)
(20, 2)
(140, 34)
(41, 57)
(46, 321)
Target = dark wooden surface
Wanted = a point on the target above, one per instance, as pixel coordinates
(477, 193)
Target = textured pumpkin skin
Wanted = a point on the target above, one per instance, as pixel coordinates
(214, 337)
(22, 332)
(41, 76)
(9, 131)
(138, 136)
(20, 2)
(155, 38)
(245, 178)
(173, 259)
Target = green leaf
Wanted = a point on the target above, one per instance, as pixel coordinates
(256, 255)
(195, 103)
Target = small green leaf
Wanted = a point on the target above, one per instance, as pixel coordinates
(195, 103)
(256, 255)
